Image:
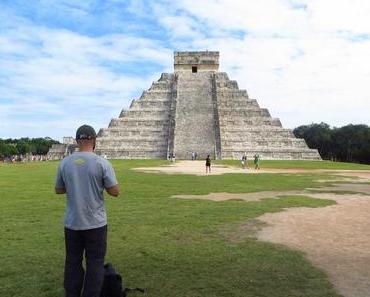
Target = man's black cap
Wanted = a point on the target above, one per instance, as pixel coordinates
(85, 132)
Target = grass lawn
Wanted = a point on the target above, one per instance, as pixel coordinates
(171, 247)
(300, 164)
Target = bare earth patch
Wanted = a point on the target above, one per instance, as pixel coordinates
(254, 196)
(191, 167)
(335, 238)
(199, 168)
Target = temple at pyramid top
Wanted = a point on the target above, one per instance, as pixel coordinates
(196, 61)
(198, 109)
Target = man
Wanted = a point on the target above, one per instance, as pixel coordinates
(256, 161)
(83, 176)
(208, 164)
(244, 161)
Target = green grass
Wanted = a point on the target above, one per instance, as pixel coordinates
(300, 164)
(171, 247)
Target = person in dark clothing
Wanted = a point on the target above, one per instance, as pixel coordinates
(208, 164)
(84, 176)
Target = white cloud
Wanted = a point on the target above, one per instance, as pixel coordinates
(340, 15)
(307, 61)
(57, 73)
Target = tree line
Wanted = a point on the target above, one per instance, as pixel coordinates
(23, 146)
(349, 143)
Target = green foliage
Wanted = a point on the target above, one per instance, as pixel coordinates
(39, 146)
(349, 143)
(171, 247)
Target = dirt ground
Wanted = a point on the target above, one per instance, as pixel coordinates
(192, 167)
(199, 168)
(254, 196)
(334, 238)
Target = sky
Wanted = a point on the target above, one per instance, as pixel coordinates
(66, 63)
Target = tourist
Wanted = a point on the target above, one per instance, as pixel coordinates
(208, 164)
(244, 161)
(256, 161)
(173, 157)
(195, 155)
(83, 176)
(192, 156)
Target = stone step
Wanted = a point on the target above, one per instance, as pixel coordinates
(116, 121)
(251, 121)
(229, 84)
(243, 112)
(236, 103)
(141, 153)
(147, 114)
(257, 133)
(156, 95)
(127, 134)
(149, 129)
(221, 76)
(160, 86)
(266, 144)
(231, 93)
(109, 143)
(253, 129)
(151, 103)
(166, 77)
(273, 155)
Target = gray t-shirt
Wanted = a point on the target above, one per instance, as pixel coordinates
(85, 175)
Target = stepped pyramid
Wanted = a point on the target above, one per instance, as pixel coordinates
(198, 109)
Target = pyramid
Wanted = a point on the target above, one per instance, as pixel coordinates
(198, 109)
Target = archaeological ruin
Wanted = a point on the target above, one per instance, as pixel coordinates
(198, 109)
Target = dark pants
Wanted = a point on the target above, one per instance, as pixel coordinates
(94, 243)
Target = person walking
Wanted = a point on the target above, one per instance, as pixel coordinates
(244, 161)
(83, 176)
(208, 164)
(256, 161)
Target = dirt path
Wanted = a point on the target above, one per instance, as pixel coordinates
(254, 196)
(191, 167)
(198, 168)
(334, 238)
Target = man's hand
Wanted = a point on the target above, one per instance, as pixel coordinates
(113, 191)
(60, 190)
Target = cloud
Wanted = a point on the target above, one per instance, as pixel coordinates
(47, 73)
(66, 62)
(304, 60)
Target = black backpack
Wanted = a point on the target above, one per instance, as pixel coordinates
(113, 285)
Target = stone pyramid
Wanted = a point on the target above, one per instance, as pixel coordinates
(198, 109)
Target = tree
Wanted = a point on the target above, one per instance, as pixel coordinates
(350, 143)
(318, 136)
(25, 145)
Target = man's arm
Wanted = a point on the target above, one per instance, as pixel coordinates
(113, 191)
(60, 190)
(60, 187)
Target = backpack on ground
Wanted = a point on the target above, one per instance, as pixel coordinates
(113, 285)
